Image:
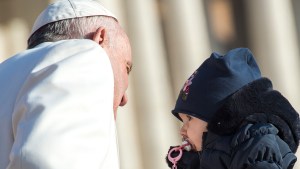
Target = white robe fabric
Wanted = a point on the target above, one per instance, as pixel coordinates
(56, 108)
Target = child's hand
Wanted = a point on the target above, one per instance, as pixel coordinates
(189, 159)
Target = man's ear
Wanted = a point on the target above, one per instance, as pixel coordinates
(100, 36)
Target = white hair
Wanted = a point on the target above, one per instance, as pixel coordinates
(75, 28)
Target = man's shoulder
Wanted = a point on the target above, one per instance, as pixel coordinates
(75, 53)
(69, 42)
(59, 55)
(71, 47)
(59, 48)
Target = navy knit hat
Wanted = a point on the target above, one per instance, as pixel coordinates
(217, 78)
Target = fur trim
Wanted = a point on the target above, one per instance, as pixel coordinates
(254, 103)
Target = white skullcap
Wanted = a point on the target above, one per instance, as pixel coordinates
(67, 9)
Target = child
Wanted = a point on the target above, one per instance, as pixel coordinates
(233, 118)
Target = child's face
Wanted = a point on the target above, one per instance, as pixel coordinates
(192, 130)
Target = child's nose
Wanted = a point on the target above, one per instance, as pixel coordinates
(183, 130)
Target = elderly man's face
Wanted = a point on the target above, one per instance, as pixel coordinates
(117, 46)
(121, 61)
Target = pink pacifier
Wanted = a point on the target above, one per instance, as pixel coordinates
(185, 145)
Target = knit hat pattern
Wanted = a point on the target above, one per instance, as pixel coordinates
(218, 77)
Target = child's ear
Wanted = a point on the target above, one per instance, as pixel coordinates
(100, 36)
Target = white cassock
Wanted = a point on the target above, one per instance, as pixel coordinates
(56, 108)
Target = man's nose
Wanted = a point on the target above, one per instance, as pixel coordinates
(124, 100)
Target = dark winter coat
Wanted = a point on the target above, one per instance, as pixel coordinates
(257, 128)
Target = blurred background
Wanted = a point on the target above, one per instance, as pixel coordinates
(170, 39)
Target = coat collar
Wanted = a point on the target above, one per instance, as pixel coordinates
(258, 102)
